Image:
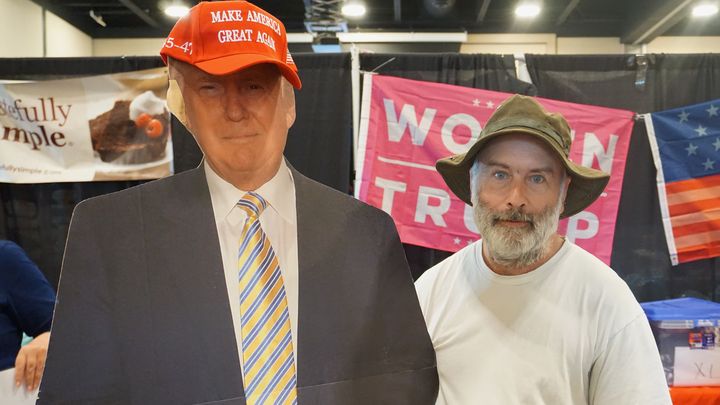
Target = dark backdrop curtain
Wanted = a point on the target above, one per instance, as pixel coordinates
(641, 84)
(489, 72)
(37, 216)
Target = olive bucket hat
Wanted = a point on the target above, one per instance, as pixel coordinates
(523, 114)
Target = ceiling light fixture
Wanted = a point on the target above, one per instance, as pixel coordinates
(704, 10)
(353, 9)
(98, 18)
(176, 10)
(527, 10)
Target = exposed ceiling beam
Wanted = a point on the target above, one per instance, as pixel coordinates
(648, 22)
(397, 10)
(566, 13)
(83, 23)
(140, 13)
(483, 10)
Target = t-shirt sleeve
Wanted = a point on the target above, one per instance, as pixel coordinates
(31, 297)
(629, 370)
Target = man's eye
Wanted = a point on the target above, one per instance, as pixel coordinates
(500, 175)
(537, 179)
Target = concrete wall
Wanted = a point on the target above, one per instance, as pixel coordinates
(589, 46)
(509, 43)
(62, 39)
(684, 45)
(21, 29)
(127, 46)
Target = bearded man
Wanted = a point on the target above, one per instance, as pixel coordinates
(524, 316)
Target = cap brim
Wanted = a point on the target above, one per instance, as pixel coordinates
(586, 184)
(232, 63)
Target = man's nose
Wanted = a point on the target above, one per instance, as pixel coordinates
(235, 104)
(516, 197)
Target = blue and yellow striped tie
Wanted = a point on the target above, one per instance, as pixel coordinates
(268, 358)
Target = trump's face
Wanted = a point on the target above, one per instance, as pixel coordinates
(240, 120)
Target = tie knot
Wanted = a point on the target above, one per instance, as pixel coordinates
(252, 204)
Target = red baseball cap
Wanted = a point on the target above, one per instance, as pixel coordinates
(226, 36)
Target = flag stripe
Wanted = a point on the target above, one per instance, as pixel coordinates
(698, 227)
(695, 217)
(704, 238)
(693, 195)
(693, 184)
(691, 253)
(694, 206)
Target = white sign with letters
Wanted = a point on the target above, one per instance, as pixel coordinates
(696, 367)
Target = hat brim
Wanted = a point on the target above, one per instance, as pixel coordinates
(232, 63)
(586, 184)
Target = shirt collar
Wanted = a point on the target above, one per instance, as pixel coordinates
(279, 193)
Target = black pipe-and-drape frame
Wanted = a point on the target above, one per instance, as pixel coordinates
(320, 143)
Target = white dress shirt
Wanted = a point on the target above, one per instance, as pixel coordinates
(278, 221)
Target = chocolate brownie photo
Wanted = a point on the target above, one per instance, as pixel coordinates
(133, 131)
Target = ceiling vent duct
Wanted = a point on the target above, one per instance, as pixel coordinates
(439, 8)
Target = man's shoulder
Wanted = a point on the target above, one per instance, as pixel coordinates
(126, 198)
(8, 245)
(440, 275)
(317, 196)
(599, 283)
(593, 269)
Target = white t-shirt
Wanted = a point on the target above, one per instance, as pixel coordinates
(569, 332)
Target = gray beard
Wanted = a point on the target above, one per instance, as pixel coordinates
(516, 247)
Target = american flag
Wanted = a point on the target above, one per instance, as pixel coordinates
(685, 143)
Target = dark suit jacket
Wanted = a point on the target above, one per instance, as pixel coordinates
(143, 317)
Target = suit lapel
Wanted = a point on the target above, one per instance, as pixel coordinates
(305, 259)
(191, 291)
(313, 261)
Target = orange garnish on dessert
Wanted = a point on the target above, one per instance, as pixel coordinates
(142, 120)
(154, 128)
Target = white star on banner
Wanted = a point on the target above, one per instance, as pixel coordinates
(476, 103)
(456, 241)
(701, 130)
(709, 164)
(683, 116)
(691, 149)
(716, 144)
(469, 241)
(712, 110)
(490, 104)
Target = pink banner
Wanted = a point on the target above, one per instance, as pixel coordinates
(407, 125)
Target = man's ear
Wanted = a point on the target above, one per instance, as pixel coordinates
(565, 186)
(175, 101)
(290, 116)
(290, 100)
